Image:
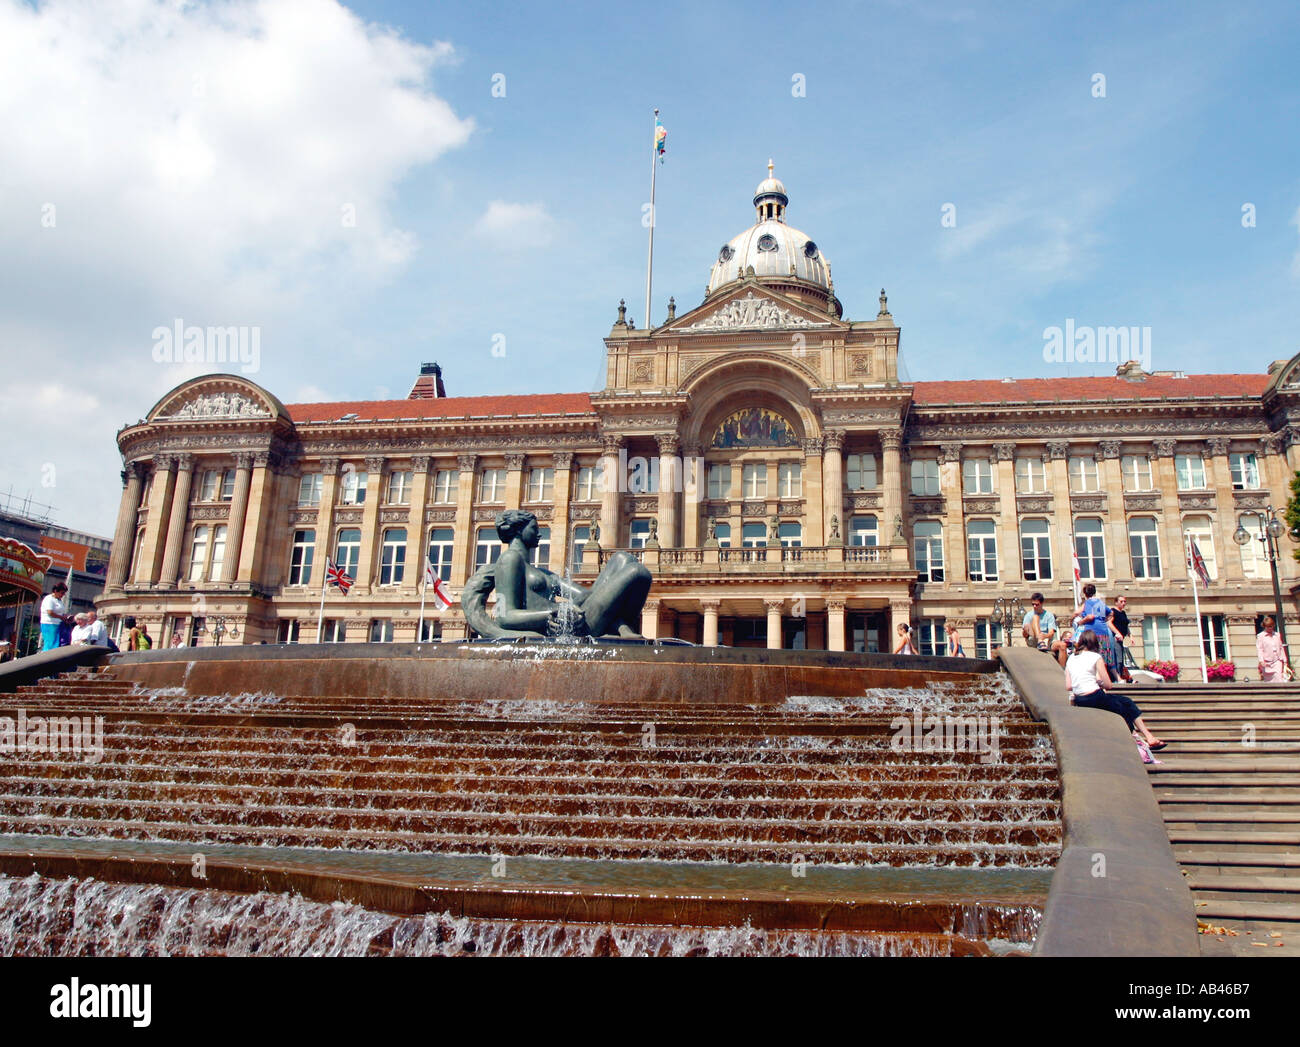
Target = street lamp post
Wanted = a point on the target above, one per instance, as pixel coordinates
(1270, 529)
(1008, 612)
(219, 630)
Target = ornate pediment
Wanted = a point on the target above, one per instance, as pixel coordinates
(752, 312)
(220, 405)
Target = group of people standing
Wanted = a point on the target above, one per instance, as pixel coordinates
(61, 629)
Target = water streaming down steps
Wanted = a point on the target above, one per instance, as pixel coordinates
(811, 780)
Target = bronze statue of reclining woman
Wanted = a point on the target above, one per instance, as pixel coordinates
(535, 602)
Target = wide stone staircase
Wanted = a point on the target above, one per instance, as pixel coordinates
(1229, 789)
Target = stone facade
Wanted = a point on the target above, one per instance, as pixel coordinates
(762, 457)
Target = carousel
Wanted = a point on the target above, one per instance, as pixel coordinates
(22, 581)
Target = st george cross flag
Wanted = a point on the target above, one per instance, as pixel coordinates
(1078, 574)
(440, 594)
(335, 575)
(1197, 564)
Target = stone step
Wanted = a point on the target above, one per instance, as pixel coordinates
(1191, 857)
(1179, 794)
(1286, 885)
(1255, 841)
(1264, 912)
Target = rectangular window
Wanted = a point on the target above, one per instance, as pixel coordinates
(347, 554)
(208, 488)
(753, 535)
(1254, 559)
(492, 485)
(1036, 550)
(541, 485)
(1136, 470)
(441, 541)
(540, 554)
(1031, 476)
(1191, 472)
(218, 553)
(334, 631)
(1157, 638)
(1144, 547)
(487, 547)
(722, 532)
(588, 489)
(977, 476)
(790, 534)
(446, 484)
(719, 480)
(982, 551)
(309, 489)
(381, 630)
(931, 640)
(352, 491)
(755, 480)
(198, 554)
(790, 480)
(581, 536)
(925, 476)
(1090, 548)
(1214, 636)
(1202, 533)
(431, 631)
(860, 472)
(638, 534)
(392, 557)
(864, 530)
(228, 485)
(1245, 472)
(287, 631)
(301, 554)
(399, 487)
(988, 635)
(927, 541)
(1083, 475)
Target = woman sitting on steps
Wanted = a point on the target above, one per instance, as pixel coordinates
(1089, 685)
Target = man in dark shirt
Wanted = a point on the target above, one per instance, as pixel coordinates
(1119, 619)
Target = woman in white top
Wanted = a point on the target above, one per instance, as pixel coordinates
(905, 639)
(1089, 685)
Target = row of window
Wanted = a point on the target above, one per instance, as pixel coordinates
(1031, 474)
(1089, 547)
(929, 637)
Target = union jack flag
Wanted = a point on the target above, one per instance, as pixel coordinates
(335, 575)
(1197, 563)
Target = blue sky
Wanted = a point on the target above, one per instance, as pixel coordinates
(199, 158)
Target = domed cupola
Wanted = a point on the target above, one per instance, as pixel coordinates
(779, 255)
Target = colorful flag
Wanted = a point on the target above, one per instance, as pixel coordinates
(1078, 574)
(430, 575)
(335, 575)
(661, 139)
(1197, 564)
(440, 594)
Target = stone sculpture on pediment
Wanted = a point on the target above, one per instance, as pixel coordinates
(752, 312)
(221, 405)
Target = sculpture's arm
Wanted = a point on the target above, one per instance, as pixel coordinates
(512, 596)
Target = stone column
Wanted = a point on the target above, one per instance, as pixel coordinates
(329, 468)
(238, 510)
(695, 489)
(1116, 520)
(816, 525)
(710, 610)
(1010, 569)
(891, 441)
(774, 637)
(462, 554)
(160, 501)
(1165, 478)
(119, 561)
(954, 520)
(176, 525)
(560, 528)
(1058, 485)
(835, 625)
(1276, 476)
(366, 572)
(252, 550)
(1291, 443)
(833, 482)
(611, 497)
(669, 498)
(415, 547)
(1224, 521)
(650, 620)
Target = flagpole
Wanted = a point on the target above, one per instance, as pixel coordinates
(1196, 601)
(320, 615)
(650, 257)
(424, 591)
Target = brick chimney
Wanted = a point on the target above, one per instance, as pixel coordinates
(429, 385)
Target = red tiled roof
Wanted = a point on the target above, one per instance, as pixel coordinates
(1102, 387)
(444, 407)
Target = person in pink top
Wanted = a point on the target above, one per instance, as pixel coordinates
(1272, 655)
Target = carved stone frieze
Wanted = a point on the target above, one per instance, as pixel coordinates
(1182, 619)
(630, 423)
(642, 370)
(584, 512)
(981, 505)
(563, 459)
(1110, 448)
(465, 463)
(717, 509)
(1088, 503)
(1004, 452)
(542, 512)
(1034, 503)
(392, 516)
(645, 505)
(1250, 499)
(219, 405)
(420, 464)
(298, 517)
(514, 462)
(753, 509)
(859, 416)
(440, 516)
(950, 453)
(860, 364)
(793, 508)
(1164, 446)
(348, 516)
(1218, 445)
(1144, 501)
(485, 512)
(1196, 501)
(864, 501)
(1057, 449)
(752, 311)
(927, 506)
(1084, 428)
(211, 512)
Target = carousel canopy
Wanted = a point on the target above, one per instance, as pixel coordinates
(22, 572)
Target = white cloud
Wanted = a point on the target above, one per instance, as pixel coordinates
(228, 163)
(516, 226)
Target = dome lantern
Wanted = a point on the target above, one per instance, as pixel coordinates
(769, 198)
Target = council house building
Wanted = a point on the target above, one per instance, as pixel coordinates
(761, 456)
